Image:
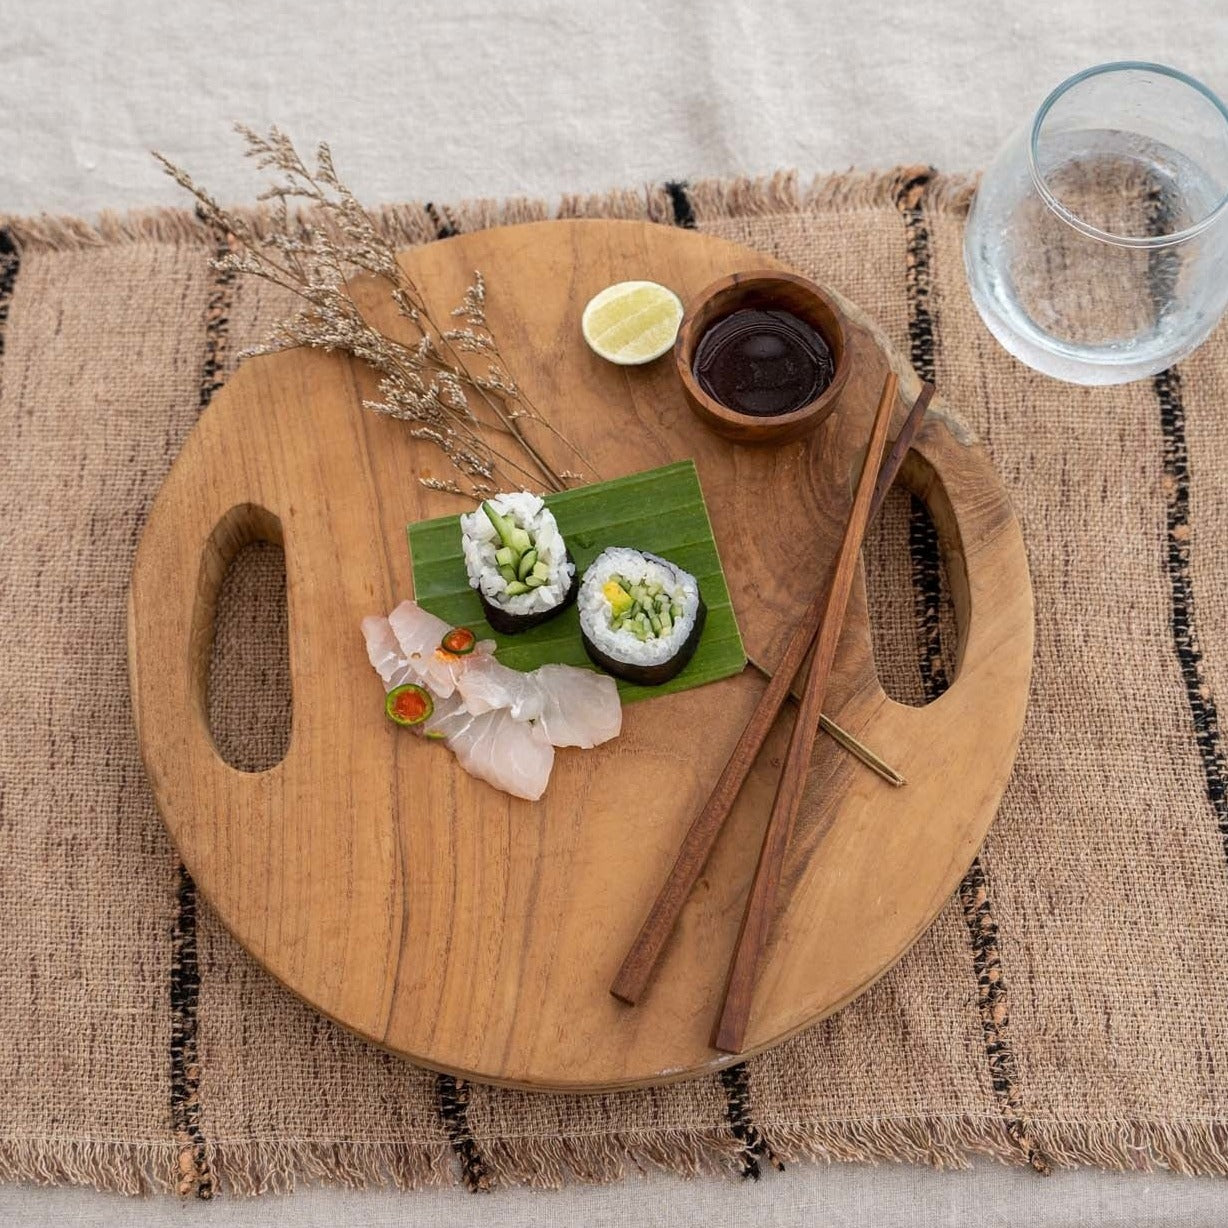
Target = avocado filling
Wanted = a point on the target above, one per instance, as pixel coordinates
(644, 610)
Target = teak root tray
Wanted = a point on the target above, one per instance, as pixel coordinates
(476, 933)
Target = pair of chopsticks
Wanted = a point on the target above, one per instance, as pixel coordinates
(820, 627)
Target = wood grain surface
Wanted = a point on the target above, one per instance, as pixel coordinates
(476, 933)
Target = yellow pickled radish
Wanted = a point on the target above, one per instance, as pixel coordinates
(632, 322)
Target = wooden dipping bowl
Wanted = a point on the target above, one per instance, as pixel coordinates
(763, 290)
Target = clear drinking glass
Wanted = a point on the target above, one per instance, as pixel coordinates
(1097, 244)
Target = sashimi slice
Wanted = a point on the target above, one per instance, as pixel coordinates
(486, 684)
(420, 634)
(581, 707)
(384, 653)
(515, 756)
(501, 724)
(447, 709)
(577, 706)
(451, 720)
(483, 683)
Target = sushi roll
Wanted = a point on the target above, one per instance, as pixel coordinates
(640, 616)
(518, 562)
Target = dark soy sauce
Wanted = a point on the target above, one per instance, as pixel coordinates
(763, 362)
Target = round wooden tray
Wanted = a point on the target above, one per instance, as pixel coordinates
(478, 934)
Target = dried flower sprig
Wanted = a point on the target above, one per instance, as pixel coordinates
(477, 418)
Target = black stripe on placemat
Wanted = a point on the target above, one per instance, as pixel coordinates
(1198, 695)
(735, 1080)
(974, 897)
(451, 1093)
(753, 1147)
(217, 329)
(909, 199)
(926, 559)
(452, 1101)
(195, 1174)
(443, 228)
(10, 262)
(1163, 269)
(680, 202)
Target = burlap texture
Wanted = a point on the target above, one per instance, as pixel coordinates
(1068, 1005)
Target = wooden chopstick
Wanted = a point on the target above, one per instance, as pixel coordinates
(889, 470)
(838, 734)
(887, 473)
(761, 904)
(645, 952)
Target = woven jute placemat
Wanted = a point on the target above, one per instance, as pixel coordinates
(1067, 1007)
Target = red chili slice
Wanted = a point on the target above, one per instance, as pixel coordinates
(409, 704)
(459, 641)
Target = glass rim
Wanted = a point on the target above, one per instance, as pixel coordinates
(1072, 218)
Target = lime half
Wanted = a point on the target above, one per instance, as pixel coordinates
(632, 322)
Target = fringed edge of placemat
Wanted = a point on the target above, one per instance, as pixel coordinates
(250, 1168)
(408, 224)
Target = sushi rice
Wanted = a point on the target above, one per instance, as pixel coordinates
(554, 572)
(649, 657)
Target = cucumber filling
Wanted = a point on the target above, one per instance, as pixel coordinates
(516, 556)
(643, 609)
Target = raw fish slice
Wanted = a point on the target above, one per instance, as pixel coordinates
(577, 707)
(581, 707)
(515, 756)
(483, 682)
(417, 629)
(486, 684)
(384, 653)
(420, 633)
(453, 721)
(510, 754)
(444, 672)
(448, 711)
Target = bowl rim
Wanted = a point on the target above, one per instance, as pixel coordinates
(685, 344)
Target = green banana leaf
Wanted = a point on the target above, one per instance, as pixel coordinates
(660, 510)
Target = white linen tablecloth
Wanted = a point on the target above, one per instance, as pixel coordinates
(537, 98)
